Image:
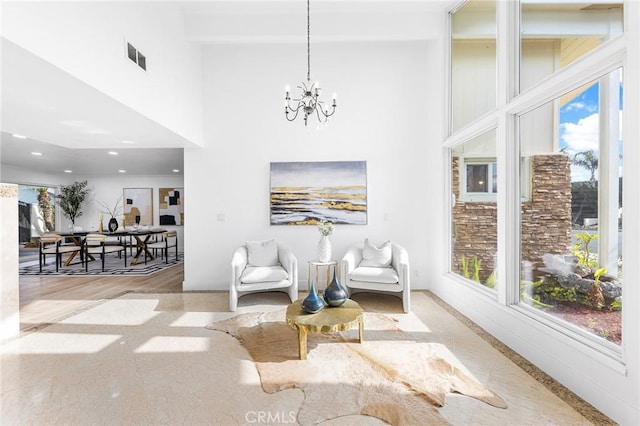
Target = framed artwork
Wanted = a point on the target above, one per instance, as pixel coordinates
(305, 193)
(138, 206)
(171, 206)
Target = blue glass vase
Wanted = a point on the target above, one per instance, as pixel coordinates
(335, 294)
(312, 303)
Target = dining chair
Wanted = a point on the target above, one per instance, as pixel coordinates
(51, 243)
(96, 244)
(168, 240)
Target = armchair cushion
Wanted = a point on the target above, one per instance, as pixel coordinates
(373, 256)
(262, 253)
(374, 275)
(254, 274)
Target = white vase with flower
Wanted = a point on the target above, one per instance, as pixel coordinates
(324, 245)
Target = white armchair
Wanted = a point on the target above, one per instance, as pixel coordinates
(259, 266)
(362, 273)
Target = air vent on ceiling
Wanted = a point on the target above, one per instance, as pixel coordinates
(136, 56)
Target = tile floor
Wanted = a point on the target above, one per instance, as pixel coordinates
(148, 359)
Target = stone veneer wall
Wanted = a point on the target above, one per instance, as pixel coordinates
(545, 220)
(475, 231)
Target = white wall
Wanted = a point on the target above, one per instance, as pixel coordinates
(389, 115)
(87, 40)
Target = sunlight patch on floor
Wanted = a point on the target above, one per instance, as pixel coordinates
(61, 343)
(174, 344)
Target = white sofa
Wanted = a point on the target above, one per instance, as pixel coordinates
(259, 266)
(358, 276)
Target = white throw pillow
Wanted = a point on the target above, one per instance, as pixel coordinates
(377, 257)
(262, 253)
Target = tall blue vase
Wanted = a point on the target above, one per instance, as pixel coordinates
(335, 294)
(312, 303)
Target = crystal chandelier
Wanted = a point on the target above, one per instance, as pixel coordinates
(309, 101)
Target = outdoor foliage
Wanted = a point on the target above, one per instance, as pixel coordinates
(46, 208)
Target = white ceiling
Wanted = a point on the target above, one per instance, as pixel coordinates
(74, 126)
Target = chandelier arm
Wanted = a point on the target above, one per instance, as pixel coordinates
(294, 116)
(333, 110)
(320, 114)
(296, 109)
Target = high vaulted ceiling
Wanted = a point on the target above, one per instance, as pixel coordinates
(59, 111)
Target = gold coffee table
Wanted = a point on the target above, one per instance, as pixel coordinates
(327, 321)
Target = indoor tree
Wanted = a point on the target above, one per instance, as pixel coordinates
(70, 199)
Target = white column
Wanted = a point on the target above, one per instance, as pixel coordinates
(9, 280)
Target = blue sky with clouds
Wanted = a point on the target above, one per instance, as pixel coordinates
(579, 127)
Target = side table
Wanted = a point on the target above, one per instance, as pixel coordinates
(329, 320)
(316, 266)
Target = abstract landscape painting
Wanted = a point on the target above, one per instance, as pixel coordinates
(305, 193)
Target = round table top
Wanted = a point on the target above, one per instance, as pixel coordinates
(318, 263)
(329, 320)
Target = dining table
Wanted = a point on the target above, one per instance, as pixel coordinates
(141, 236)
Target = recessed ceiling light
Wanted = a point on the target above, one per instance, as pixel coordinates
(122, 171)
(176, 171)
(129, 142)
(113, 153)
(68, 171)
(36, 153)
(18, 136)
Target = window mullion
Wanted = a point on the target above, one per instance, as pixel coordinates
(508, 46)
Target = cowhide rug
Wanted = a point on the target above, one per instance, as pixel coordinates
(389, 376)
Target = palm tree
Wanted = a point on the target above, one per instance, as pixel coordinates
(44, 202)
(588, 160)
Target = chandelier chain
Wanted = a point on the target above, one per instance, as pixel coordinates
(308, 42)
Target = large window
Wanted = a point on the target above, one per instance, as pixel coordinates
(475, 211)
(549, 172)
(571, 258)
(554, 34)
(473, 61)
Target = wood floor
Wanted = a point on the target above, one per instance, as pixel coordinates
(48, 299)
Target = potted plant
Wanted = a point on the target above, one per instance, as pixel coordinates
(71, 198)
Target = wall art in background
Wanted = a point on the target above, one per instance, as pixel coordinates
(305, 193)
(138, 206)
(171, 202)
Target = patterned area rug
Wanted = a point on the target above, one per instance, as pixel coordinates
(112, 266)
